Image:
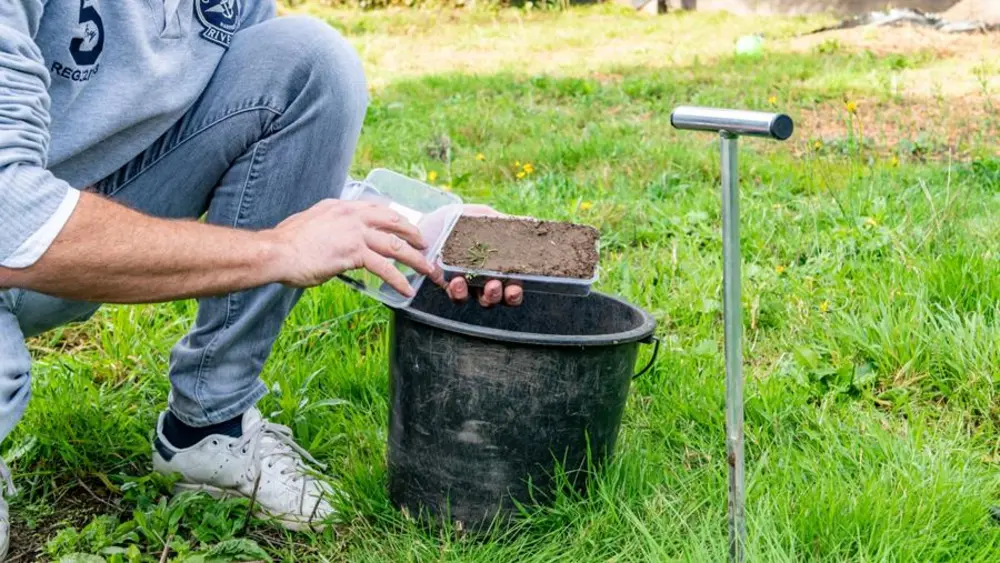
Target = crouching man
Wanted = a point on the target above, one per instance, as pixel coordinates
(121, 124)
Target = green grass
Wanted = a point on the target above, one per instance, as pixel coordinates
(871, 291)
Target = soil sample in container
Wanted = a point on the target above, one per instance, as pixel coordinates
(523, 246)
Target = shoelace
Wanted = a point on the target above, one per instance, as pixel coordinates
(9, 489)
(283, 448)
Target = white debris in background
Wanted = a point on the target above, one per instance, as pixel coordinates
(911, 16)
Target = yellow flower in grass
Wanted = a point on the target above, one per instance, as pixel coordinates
(851, 107)
(780, 269)
(432, 175)
(894, 162)
(818, 145)
(824, 307)
(773, 100)
(528, 168)
(520, 175)
(480, 156)
(586, 206)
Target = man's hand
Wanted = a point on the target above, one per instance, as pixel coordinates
(494, 292)
(334, 236)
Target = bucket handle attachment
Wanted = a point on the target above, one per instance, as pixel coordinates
(656, 350)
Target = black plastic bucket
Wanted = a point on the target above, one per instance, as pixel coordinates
(488, 403)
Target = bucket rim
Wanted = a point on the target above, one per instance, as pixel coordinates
(642, 333)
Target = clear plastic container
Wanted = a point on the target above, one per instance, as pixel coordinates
(531, 284)
(434, 212)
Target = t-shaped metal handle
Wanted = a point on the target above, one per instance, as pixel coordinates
(734, 121)
(730, 124)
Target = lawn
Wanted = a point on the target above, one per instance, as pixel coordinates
(871, 291)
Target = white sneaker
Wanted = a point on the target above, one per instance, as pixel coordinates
(264, 465)
(7, 488)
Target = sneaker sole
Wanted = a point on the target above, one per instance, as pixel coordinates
(289, 522)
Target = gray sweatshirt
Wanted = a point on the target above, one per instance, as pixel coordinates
(87, 85)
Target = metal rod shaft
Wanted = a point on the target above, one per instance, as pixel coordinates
(730, 124)
(733, 321)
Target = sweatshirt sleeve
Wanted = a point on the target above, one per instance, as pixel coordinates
(34, 204)
(258, 11)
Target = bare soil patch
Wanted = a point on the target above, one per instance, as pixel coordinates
(983, 10)
(939, 126)
(74, 507)
(964, 63)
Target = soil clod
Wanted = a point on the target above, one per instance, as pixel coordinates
(523, 246)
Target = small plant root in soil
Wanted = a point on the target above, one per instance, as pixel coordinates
(523, 246)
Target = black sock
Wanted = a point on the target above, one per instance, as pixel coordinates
(180, 435)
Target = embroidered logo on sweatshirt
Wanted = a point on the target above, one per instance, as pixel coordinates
(85, 47)
(220, 18)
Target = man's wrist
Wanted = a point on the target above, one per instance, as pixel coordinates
(272, 257)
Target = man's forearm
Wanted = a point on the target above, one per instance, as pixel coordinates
(111, 254)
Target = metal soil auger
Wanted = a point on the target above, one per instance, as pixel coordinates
(730, 125)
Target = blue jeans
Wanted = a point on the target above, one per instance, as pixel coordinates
(273, 133)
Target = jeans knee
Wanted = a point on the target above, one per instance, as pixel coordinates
(15, 392)
(15, 365)
(324, 68)
(15, 386)
(38, 313)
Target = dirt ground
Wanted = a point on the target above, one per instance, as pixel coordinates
(78, 504)
(942, 127)
(984, 10)
(943, 103)
(786, 7)
(967, 63)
